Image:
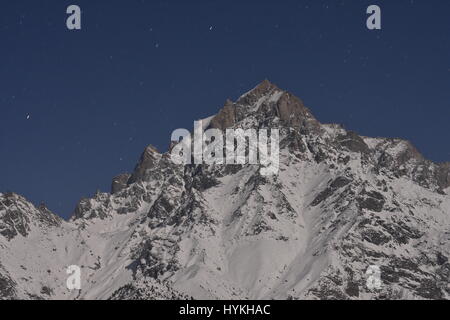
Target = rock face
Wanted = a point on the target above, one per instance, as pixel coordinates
(340, 205)
(226, 117)
(149, 159)
(443, 175)
(120, 183)
(18, 217)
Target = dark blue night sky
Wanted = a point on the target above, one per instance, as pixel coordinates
(78, 107)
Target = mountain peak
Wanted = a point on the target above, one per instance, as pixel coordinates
(266, 85)
(262, 89)
(151, 149)
(264, 102)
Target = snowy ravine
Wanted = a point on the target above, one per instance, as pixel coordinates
(340, 204)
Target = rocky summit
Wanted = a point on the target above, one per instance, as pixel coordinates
(341, 205)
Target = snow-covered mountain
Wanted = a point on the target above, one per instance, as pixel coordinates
(340, 204)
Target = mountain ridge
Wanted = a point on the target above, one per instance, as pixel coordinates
(121, 179)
